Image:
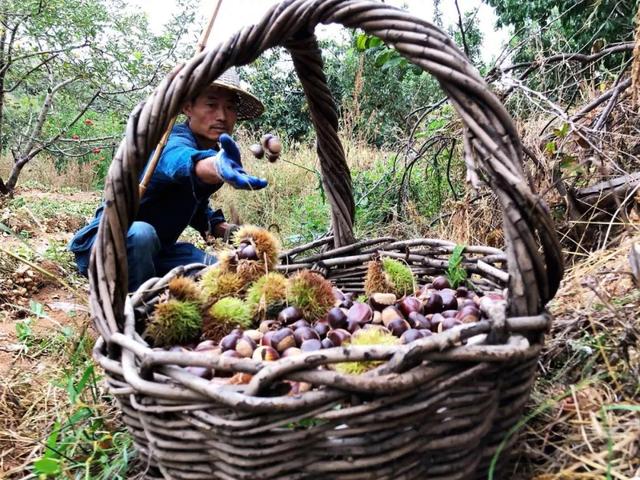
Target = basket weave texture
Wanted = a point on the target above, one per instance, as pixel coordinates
(436, 408)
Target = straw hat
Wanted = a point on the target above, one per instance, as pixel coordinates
(248, 105)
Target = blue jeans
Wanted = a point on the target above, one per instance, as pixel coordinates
(146, 258)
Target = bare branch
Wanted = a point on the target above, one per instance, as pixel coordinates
(462, 33)
(26, 75)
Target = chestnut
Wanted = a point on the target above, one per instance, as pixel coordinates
(426, 332)
(409, 304)
(311, 345)
(299, 323)
(230, 354)
(380, 301)
(450, 322)
(283, 339)
(411, 335)
(266, 338)
(273, 144)
(390, 313)
(289, 315)
(449, 299)
(267, 325)
(450, 313)
(245, 346)
(346, 303)
(417, 320)
(360, 313)
(398, 326)
(202, 372)
(254, 335)
(305, 333)
(266, 354)
(354, 325)
(377, 318)
(322, 328)
(291, 352)
(433, 304)
(338, 336)
(228, 342)
(462, 292)
(441, 282)
(436, 320)
(257, 151)
(205, 345)
(468, 314)
(326, 343)
(337, 318)
(337, 294)
(248, 253)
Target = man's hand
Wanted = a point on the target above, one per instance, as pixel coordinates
(229, 167)
(225, 231)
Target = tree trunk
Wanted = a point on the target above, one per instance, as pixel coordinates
(10, 186)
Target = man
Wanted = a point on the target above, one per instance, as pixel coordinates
(198, 159)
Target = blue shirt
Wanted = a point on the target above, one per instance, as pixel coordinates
(175, 197)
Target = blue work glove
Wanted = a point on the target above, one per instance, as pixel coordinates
(230, 167)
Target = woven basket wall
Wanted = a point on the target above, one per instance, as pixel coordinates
(436, 408)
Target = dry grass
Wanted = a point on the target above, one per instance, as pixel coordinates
(42, 172)
(588, 396)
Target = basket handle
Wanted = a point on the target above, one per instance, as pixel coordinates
(534, 273)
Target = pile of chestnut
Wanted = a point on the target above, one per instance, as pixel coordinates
(435, 308)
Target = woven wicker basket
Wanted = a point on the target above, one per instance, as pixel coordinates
(436, 408)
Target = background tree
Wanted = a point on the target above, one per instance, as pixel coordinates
(71, 71)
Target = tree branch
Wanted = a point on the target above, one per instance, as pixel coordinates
(462, 33)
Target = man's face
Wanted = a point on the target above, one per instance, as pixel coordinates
(212, 113)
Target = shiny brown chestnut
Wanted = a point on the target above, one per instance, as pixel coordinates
(291, 352)
(245, 346)
(360, 313)
(267, 354)
(433, 303)
(205, 345)
(299, 323)
(230, 354)
(283, 339)
(322, 328)
(305, 333)
(436, 321)
(449, 299)
(326, 343)
(228, 342)
(338, 336)
(289, 315)
(390, 313)
(311, 345)
(417, 320)
(398, 326)
(337, 318)
(441, 282)
(411, 335)
(409, 304)
(266, 338)
(380, 301)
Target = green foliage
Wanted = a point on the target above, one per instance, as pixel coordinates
(579, 23)
(456, 274)
(82, 442)
(399, 275)
(75, 54)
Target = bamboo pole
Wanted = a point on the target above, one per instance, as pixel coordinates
(151, 167)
